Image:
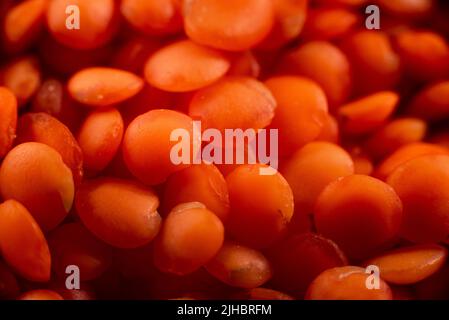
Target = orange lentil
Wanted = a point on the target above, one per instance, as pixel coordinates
(190, 237)
(369, 113)
(122, 213)
(147, 145)
(8, 120)
(240, 266)
(393, 135)
(22, 77)
(329, 23)
(301, 111)
(152, 16)
(98, 22)
(100, 137)
(425, 54)
(71, 244)
(101, 87)
(346, 283)
(216, 106)
(22, 243)
(421, 184)
(432, 102)
(209, 22)
(185, 66)
(35, 174)
(308, 252)
(324, 63)
(309, 170)
(40, 295)
(375, 65)
(202, 183)
(404, 154)
(410, 264)
(43, 128)
(289, 19)
(258, 221)
(360, 213)
(24, 24)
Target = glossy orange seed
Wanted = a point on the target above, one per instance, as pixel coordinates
(410, 265)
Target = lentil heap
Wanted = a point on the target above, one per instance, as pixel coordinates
(116, 166)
